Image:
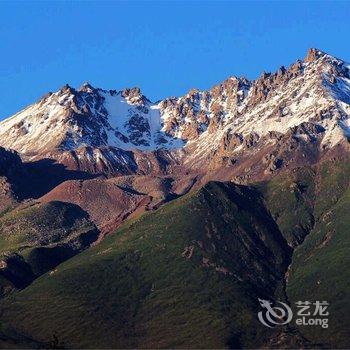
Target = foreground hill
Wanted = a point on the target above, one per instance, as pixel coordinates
(35, 238)
(187, 275)
(319, 270)
(190, 274)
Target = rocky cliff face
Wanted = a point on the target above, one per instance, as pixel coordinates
(11, 173)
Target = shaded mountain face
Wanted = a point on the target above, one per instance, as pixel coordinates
(11, 172)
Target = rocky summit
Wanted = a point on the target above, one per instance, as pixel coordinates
(162, 224)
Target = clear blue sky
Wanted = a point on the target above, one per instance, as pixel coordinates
(166, 48)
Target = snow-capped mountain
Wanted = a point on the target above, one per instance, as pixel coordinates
(314, 91)
(69, 119)
(309, 101)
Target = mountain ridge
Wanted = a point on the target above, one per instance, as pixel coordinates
(69, 119)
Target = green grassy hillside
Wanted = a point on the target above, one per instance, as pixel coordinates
(320, 267)
(187, 275)
(35, 238)
(290, 199)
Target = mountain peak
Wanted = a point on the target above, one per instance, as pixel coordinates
(134, 96)
(86, 87)
(67, 88)
(313, 54)
(134, 91)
